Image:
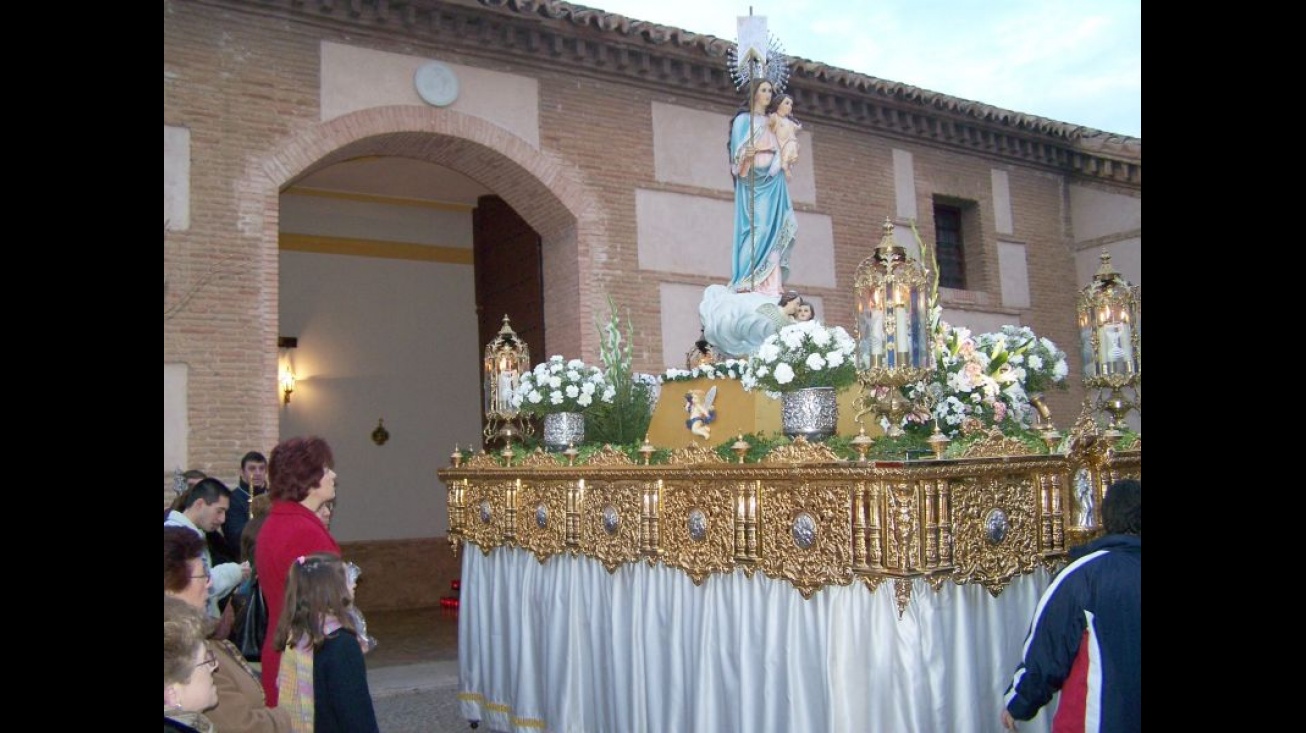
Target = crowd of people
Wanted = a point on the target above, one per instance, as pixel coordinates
(273, 528)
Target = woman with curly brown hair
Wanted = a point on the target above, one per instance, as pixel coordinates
(301, 480)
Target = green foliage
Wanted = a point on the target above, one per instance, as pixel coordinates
(658, 456)
(728, 369)
(625, 419)
(1126, 440)
(930, 258)
(1010, 429)
(760, 444)
(899, 448)
(527, 443)
(907, 447)
(883, 448)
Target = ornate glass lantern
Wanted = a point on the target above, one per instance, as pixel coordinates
(894, 344)
(507, 357)
(1109, 309)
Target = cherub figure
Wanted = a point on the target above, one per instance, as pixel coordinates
(701, 412)
(780, 117)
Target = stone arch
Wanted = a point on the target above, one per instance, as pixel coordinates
(549, 193)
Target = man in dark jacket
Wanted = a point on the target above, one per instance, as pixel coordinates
(253, 482)
(1086, 639)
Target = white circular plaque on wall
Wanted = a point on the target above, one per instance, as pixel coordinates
(436, 83)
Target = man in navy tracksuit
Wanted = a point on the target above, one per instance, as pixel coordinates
(1086, 639)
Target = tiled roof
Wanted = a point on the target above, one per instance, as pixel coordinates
(1092, 139)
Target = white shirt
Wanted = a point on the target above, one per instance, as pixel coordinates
(225, 576)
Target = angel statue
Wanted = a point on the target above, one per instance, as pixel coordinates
(701, 412)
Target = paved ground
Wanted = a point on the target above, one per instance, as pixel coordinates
(418, 698)
(413, 672)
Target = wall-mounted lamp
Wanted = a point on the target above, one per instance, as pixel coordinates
(286, 371)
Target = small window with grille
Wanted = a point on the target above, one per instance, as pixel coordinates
(949, 247)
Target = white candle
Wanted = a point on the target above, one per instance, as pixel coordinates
(1114, 343)
(902, 340)
(505, 390)
(877, 332)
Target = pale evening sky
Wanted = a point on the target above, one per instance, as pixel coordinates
(1073, 61)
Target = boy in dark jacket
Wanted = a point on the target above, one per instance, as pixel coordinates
(1086, 639)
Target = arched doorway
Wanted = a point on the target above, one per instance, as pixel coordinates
(385, 329)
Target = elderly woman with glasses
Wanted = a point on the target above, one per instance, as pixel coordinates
(241, 706)
(188, 666)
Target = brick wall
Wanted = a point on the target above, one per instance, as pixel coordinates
(246, 88)
(238, 86)
(403, 573)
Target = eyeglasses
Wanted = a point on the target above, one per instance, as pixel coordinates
(210, 661)
(205, 575)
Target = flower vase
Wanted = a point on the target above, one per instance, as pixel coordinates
(812, 413)
(1042, 414)
(562, 429)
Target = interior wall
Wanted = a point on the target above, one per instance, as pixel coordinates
(383, 339)
(437, 225)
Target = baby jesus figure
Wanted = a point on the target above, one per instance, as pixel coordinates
(785, 127)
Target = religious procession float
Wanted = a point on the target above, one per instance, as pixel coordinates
(809, 528)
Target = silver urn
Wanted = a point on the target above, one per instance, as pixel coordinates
(562, 429)
(812, 413)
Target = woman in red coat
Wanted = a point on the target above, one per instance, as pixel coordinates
(301, 480)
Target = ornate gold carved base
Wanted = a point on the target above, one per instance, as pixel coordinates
(801, 515)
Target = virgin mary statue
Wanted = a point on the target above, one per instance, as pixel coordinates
(765, 226)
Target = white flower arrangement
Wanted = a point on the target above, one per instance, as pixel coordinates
(728, 369)
(987, 380)
(558, 385)
(801, 355)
